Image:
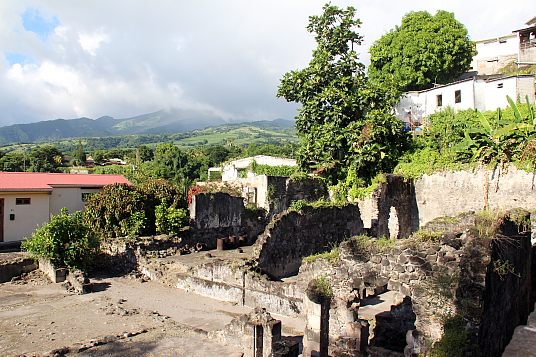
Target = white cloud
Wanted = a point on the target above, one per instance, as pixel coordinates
(91, 42)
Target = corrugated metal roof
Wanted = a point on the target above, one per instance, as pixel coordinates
(21, 181)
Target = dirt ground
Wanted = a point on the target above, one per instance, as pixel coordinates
(123, 316)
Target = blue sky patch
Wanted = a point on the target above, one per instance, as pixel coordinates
(33, 20)
(14, 57)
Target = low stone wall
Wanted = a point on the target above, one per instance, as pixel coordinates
(294, 235)
(14, 264)
(223, 281)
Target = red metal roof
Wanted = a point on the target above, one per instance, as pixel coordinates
(21, 181)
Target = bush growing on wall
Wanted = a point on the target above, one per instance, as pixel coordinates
(281, 170)
(67, 241)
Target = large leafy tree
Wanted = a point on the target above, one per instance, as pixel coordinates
(423, 50)
(45, 159)
(345, 121)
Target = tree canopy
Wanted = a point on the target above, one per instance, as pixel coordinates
(345, 121)
(423, 50)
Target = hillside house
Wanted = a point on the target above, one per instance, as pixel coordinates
(28, 199)
(478, 92)
(493, 54)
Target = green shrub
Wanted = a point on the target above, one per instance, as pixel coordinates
(117, 211)
(170, 220)
(323, 287)
(281, 170)
(66, 240)
(426, 236)
(297, 205)
(454, 338)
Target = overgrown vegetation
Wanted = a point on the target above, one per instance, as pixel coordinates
(455, 338)
(331, 256)
(118, 211)
(323, 287)
(345, 121)
(467, 139)
(354, 187)
(122, 210)
(280, 170)
(427, 236)
(168, 219)
(363, 246)
(67, 241)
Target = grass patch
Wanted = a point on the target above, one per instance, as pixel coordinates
(364, 245)
(426, 236)
(331, 256)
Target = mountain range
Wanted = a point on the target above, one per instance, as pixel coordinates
(162, 121)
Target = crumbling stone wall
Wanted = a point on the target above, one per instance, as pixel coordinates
(294, 235)
(455, 276)
(396, 196)
(417, 202)
(216, 210)
(283, 191)
(220, 215)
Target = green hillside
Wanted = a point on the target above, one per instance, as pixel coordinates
(163, 121)
(278, 132)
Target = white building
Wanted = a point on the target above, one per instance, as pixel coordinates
(232, 169)
(481, 92)
(495, 53)
(28, 199)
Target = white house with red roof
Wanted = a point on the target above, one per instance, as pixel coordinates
(28, 199)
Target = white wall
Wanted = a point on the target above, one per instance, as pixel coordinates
(422, 104)
(38, 212)
(475, 94)
(69, 197)
(448, 93)
(497, 47)
(496, 97)
(230, 170)
(27, 217)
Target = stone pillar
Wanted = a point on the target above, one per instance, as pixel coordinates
(261, 332)
(316, 308)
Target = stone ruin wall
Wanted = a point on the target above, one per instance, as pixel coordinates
(294, 235)
(219, 215)
(400, 206)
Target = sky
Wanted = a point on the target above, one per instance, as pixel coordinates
(123, 58)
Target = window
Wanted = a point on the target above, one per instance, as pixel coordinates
(439, 100)
(87, 196)
(458, 96)
(22, 201)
